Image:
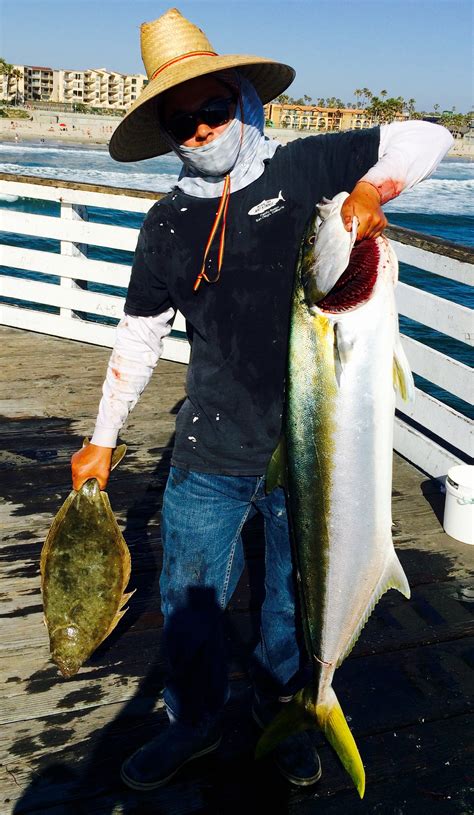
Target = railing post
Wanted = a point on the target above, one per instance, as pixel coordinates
(73, 212)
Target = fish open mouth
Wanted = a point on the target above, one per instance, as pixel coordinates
(357, 282)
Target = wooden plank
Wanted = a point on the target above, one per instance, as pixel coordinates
(430, 243)
(97, 271)
(36, 321)
(422, 451)
(452, 427)
(71, 212)
(51, 294)
(445, 266)
(410, 742)
(45, 226)
(76, 192)
(448, 373)
(408, 674)
(442, 315)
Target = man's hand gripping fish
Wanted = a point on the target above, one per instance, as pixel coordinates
(335, 460)
(85, 568)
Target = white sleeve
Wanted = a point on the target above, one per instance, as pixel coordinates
(408, 153)
(137, 348)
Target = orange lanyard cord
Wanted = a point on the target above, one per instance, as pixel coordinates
(221, 218)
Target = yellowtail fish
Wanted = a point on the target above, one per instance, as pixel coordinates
(85, 568)
(335, 460)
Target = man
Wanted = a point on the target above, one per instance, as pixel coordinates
(222, 248)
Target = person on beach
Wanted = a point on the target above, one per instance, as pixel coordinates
(222, 248)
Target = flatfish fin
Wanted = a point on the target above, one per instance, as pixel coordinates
(393, 577)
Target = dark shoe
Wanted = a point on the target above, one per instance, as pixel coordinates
(160, 759)
(296, 757)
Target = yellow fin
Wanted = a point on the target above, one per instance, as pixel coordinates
(333, 724)
(276, 470)
(402, 375)
(301, 714)
(293, 718)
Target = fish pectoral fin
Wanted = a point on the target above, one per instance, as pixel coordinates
(402, 375)
(293, 718)
(276, 470)
(332, 722)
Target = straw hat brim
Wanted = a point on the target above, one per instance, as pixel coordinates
(138, 135)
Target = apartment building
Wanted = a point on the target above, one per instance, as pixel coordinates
(311, 117)
(97, 87)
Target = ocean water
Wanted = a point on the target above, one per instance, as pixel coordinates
(443, 205)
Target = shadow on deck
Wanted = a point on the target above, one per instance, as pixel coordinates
(405, 688)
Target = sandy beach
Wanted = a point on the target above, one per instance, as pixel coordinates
(75, 128)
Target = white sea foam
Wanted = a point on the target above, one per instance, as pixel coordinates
(160, 182)
(9, 198)
(41, 149)
(448, 191)
(437, 195)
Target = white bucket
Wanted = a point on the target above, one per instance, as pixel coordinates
(459, 507)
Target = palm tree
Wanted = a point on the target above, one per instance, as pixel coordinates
(411, 107)
(357, 94)
(307, 99)
(367, 95)
(7, 69)
(16, 75)
(383, 94)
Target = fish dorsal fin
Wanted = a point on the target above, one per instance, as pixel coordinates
(402, 375)
(393, 577)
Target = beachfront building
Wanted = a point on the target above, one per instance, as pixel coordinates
(94, 87)
(318, 119)
(100, 88)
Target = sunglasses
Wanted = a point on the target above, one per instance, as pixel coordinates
(182, 126)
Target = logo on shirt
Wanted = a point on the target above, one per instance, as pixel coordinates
(267, 207)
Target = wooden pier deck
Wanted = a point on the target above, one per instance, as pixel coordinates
(406, 688)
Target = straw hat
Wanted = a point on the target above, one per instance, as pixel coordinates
(173, 51)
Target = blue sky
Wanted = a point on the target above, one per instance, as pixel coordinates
(418, 48)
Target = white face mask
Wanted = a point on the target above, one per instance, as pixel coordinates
(219, 156)
(240, 150)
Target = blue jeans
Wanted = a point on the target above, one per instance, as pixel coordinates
(203, 559)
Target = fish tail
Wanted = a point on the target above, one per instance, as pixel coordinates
(332, 722)
(302, 714)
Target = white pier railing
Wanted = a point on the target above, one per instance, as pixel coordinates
(429, 433)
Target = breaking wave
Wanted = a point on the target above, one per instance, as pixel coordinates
(159, 182)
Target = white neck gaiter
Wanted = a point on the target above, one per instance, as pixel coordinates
(240, 150)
